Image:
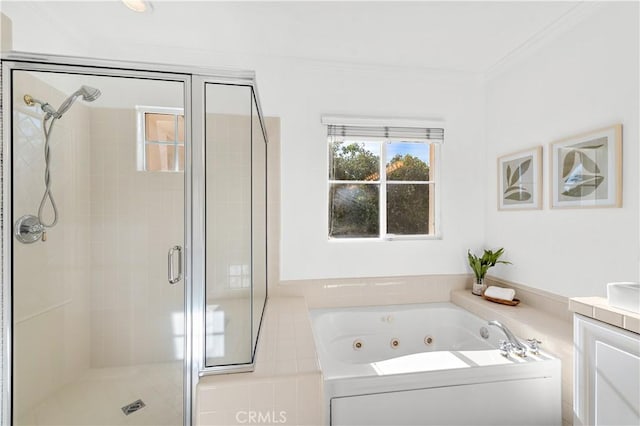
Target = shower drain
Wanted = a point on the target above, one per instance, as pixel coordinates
(133, 407)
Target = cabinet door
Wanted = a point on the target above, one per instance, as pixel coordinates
(607, 372)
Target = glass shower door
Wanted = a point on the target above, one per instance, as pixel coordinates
(228, 312)
(98, 330)
(235, 226)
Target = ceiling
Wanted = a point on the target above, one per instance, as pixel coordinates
(455, 36)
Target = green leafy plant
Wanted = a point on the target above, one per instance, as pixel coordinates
(481, 265)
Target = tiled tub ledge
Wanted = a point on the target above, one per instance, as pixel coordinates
(373, 291)
(526, 321)
(286, 385)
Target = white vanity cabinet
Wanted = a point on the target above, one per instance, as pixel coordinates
(606, 374)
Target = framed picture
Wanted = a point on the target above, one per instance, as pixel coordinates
(586, 170)
(520, 180)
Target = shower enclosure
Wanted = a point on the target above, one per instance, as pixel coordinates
(134, 237)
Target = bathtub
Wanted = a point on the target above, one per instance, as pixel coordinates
(428, 364)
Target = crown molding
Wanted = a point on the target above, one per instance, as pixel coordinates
(555, 29)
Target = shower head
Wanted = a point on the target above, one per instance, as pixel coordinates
(89, 94)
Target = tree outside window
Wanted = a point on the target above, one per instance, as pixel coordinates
(379, 189)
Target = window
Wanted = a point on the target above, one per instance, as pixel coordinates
(382, 181)
(160, 139)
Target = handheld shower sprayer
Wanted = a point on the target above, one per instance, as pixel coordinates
(89, 94)
(30, 228)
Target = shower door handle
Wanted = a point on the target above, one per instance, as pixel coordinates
(173, 278)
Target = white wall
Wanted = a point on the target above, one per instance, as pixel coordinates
(585, 79)
(299, 92)
(313, 89)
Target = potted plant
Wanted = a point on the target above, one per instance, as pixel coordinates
(481, 265)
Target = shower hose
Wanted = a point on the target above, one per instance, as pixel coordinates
(47, 174)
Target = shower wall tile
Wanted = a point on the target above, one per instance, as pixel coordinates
(228, 160)
(136, 217)
(51, 298)
(228, 261)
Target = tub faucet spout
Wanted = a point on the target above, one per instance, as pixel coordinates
(519, 348)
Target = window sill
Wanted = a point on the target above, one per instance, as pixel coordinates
(412, 237)
(388, 238)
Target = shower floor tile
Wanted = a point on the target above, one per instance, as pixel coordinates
(98, 397)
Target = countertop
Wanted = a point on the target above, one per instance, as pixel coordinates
(598, 308)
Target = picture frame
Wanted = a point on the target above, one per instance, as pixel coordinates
(520, 180)
(586, 169)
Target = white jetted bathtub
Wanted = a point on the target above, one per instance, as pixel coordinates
(430, 364)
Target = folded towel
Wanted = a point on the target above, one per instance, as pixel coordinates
(500, 293)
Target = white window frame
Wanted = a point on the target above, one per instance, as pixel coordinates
(141, 152)
(434, 168)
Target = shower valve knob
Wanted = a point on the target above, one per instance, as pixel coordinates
(28, 229)
(505, 347)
